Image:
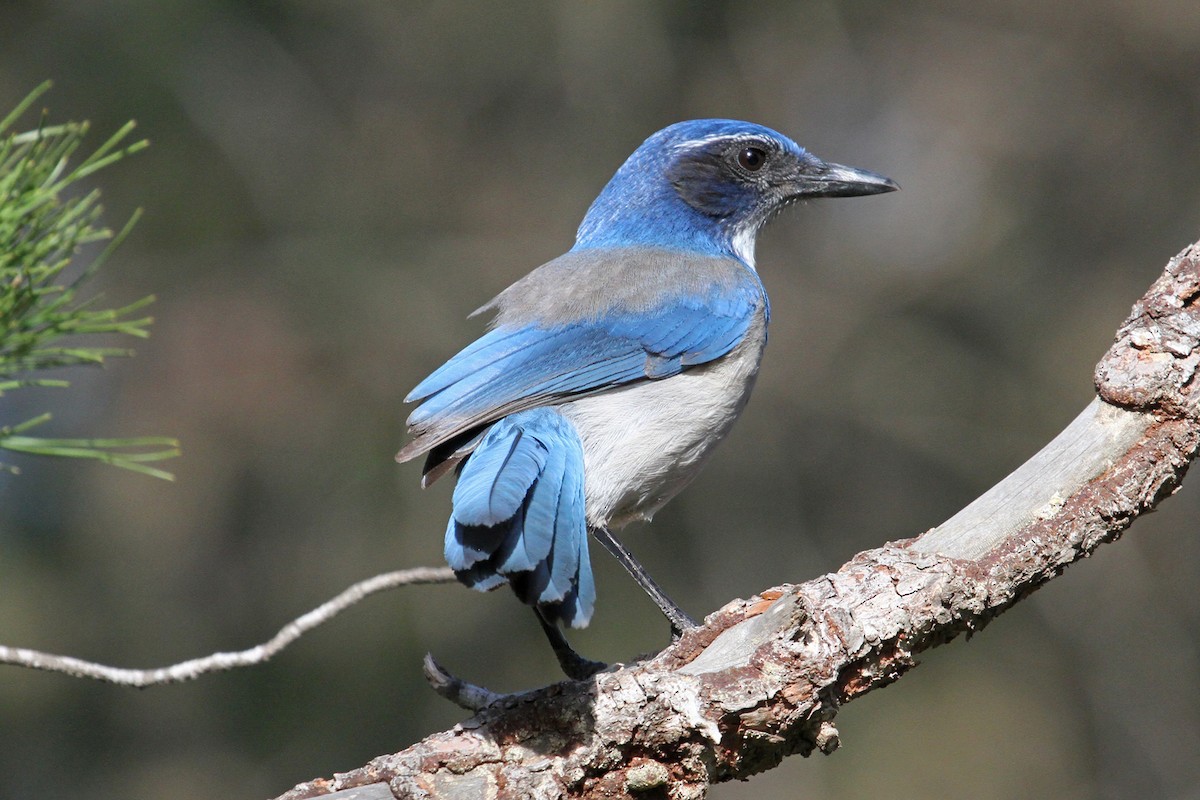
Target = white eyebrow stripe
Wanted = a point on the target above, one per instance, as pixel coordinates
(692, 144)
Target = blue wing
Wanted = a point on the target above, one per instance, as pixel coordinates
(580, 343)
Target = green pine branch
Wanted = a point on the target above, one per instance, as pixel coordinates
(44, 222)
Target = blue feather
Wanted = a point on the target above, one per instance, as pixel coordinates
(495, 345)
(585, 589)
(658, 367)
(497, 477)
(564, 561)
(542, 510)
(511, 369)
(482, 577)
(519, 515)
(570, 593)
(466, 545)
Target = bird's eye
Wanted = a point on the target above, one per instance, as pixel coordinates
(752, 158)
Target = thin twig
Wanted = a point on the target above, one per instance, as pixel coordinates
(219, 662)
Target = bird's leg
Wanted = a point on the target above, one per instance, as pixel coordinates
(678, 618)
(574, 666)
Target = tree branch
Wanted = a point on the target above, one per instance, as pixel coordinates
(764, 677)
(219, 662)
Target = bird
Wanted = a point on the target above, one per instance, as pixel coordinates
(609, 374)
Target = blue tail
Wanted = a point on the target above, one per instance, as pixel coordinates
(519, 518)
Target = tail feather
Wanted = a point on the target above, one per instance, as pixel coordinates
(541, 513)
(468, 545)
(566, 558)
(482, 577)
(581, 597)
(555, 576)
(519, 516)
(492, 488)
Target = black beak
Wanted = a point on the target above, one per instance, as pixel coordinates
(835, 180)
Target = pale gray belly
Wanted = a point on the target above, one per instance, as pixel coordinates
(644, 443)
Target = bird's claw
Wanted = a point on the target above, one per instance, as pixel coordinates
(578, 668)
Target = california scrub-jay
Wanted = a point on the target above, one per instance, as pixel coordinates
(610, 373)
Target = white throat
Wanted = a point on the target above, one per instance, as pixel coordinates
(743, 245)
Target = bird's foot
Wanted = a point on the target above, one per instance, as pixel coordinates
(681, 623)
(578, 668)
(574, 666)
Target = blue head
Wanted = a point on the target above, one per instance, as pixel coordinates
(708, 185)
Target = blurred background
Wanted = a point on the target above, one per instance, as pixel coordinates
(333, 187)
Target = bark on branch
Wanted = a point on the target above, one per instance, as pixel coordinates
(765, 677)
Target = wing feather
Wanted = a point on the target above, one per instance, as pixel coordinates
(557, 338)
